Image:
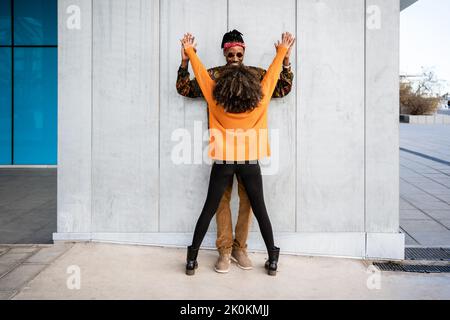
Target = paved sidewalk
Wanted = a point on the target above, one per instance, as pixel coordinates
(425, 184)
(109, 271)
(20, 264)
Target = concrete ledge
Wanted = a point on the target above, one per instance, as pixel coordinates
(385, 246)
(335, 244)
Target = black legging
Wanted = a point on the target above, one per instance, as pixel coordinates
(221, 176)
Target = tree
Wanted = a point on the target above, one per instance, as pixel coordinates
(420, 97)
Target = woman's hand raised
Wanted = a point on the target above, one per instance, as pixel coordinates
(188, 42)
(287, 40)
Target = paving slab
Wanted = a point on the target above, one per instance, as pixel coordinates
(20, 276)
(421, 197)
(432, 238)
(413, 214)
(25, 249)
(11, 257)
(405, 172)
(435, 205)
(46, 255)
(7, 267)
(417, 179)
(445, 222)
(5, 295)
(443, 197)
(404, 205)
(414, 226)
(409, 189)
(439, 214)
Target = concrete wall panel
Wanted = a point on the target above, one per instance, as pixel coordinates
(74, 115)
(382, 114)
(125, 116)
(330, 104)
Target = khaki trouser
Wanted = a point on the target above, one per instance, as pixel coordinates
(225, 242)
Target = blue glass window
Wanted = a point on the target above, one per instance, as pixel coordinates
(35, 106)
(35, 22)
(28, 82)
(5, 22)
(5, 106)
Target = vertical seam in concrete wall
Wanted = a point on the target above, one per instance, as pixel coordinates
(365, 127)
(92, 119)
(159, 115)
(228, 15)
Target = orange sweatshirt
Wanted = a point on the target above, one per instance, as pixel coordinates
(238, 136)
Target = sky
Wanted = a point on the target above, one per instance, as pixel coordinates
(425, 39)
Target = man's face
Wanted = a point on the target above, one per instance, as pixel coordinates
(234, 55)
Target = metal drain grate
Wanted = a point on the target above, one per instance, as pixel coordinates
(426, 269)
(428, 254)
(421, 260)
(412, 268)
(388, 266)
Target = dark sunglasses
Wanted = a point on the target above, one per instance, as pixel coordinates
(231, 55)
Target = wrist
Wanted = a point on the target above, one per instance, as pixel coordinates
(286, 65)
(184, 63)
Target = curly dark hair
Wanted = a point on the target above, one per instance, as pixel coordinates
(238, 89)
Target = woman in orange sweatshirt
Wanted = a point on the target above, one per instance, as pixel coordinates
(238, 104)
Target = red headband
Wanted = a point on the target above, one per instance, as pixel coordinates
(228, 45)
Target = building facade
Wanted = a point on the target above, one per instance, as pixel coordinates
(335, 186)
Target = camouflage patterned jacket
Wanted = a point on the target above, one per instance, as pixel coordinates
(190, 88)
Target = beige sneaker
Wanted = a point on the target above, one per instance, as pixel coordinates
(223, 263)
(241, 258)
